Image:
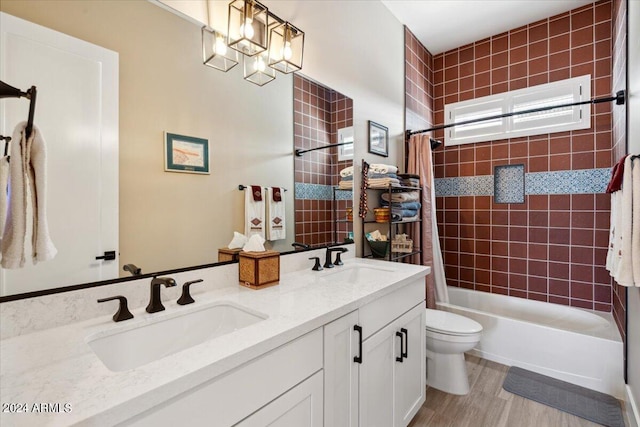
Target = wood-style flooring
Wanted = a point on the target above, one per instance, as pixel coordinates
(488, 405)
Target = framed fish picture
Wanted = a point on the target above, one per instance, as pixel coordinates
(186, 154)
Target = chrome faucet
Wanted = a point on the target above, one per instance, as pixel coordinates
(155, 302)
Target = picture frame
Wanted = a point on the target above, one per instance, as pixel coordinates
(186, 154)
(378, 139)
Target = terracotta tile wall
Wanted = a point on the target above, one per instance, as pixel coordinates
(619, 127)
(318, 114)
(551, 248)
(418, 83)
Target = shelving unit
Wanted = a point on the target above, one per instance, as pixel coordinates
(394, 226)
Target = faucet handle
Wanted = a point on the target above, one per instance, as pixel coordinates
(317, 266)
(123, 312)
(338, 261)
(186, 298)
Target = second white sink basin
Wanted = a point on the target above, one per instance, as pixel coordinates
(130, 348)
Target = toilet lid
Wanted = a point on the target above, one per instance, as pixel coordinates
(451, 323)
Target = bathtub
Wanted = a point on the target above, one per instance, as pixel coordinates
(579, 346)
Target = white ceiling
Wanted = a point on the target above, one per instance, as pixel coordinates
(442, 25)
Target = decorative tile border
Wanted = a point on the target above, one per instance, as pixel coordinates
(581, 181)
(304, 191)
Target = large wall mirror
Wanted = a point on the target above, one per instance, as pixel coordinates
(171, 220)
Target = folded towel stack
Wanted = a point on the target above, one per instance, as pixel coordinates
(408, 196)
(409, 180)
(383, 176)
(346, 179)
(406, 210)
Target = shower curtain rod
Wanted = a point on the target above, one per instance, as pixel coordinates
(299, 152)
(619, 98)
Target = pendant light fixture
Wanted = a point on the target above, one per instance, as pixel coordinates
(257, 70)
(286, 44)
(248, 26)
(215, 52)
(266, 42)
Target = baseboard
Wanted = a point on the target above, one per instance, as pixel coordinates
(633, 415)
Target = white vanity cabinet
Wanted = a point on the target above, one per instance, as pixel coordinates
(274, 384)
(374, 362)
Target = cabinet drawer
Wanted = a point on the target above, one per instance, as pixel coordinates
(375, 315)
(227, 399)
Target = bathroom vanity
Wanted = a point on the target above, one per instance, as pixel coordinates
(343, 346)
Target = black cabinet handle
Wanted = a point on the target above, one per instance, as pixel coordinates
(401, 335)
(358, 358)
(108, 256)
(405, 353)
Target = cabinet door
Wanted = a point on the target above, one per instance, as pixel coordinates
(376, 378)
(299, 407)
(341, 372)
(410, 374)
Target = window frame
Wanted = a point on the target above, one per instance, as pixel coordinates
(579, 88)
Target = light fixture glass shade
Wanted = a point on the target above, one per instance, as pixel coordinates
(256, 69)
(248, 26)
(286, 46)
(215, 52)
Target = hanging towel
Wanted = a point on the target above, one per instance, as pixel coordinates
(624, 272)
(254, 211)
(276, 224)
(617, 172)
(27, 175)
(635, 233)
(4, 182)
(612, 250)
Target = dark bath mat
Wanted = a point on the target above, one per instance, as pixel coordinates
(579, 401)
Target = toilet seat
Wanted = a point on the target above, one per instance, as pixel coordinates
(446, 323)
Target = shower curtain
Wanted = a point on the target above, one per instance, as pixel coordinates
(420, 163)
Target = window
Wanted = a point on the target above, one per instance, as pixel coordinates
(556, 120)
(345, 136)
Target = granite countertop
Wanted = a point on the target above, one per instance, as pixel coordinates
(57, 366)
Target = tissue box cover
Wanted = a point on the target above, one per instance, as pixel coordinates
(226, 254)
(259, 269)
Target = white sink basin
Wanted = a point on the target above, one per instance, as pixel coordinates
(131, 347)
(355, 274)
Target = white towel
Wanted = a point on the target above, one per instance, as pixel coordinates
(254, 211)
(408, 196)
(624, 272)
(635, 233)
(4, 182)
(27, 176)
(382, 168)
(612, 251)
(276, 224)
(346, 172)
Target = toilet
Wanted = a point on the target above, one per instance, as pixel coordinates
(448, 336)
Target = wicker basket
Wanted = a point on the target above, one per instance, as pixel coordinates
(401, 244)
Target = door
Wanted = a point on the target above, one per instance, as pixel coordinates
(77, 113)
(376, 378)
(299, 407)
(410, 372)
(341, 371)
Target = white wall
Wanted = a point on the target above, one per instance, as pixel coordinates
(633, 138)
